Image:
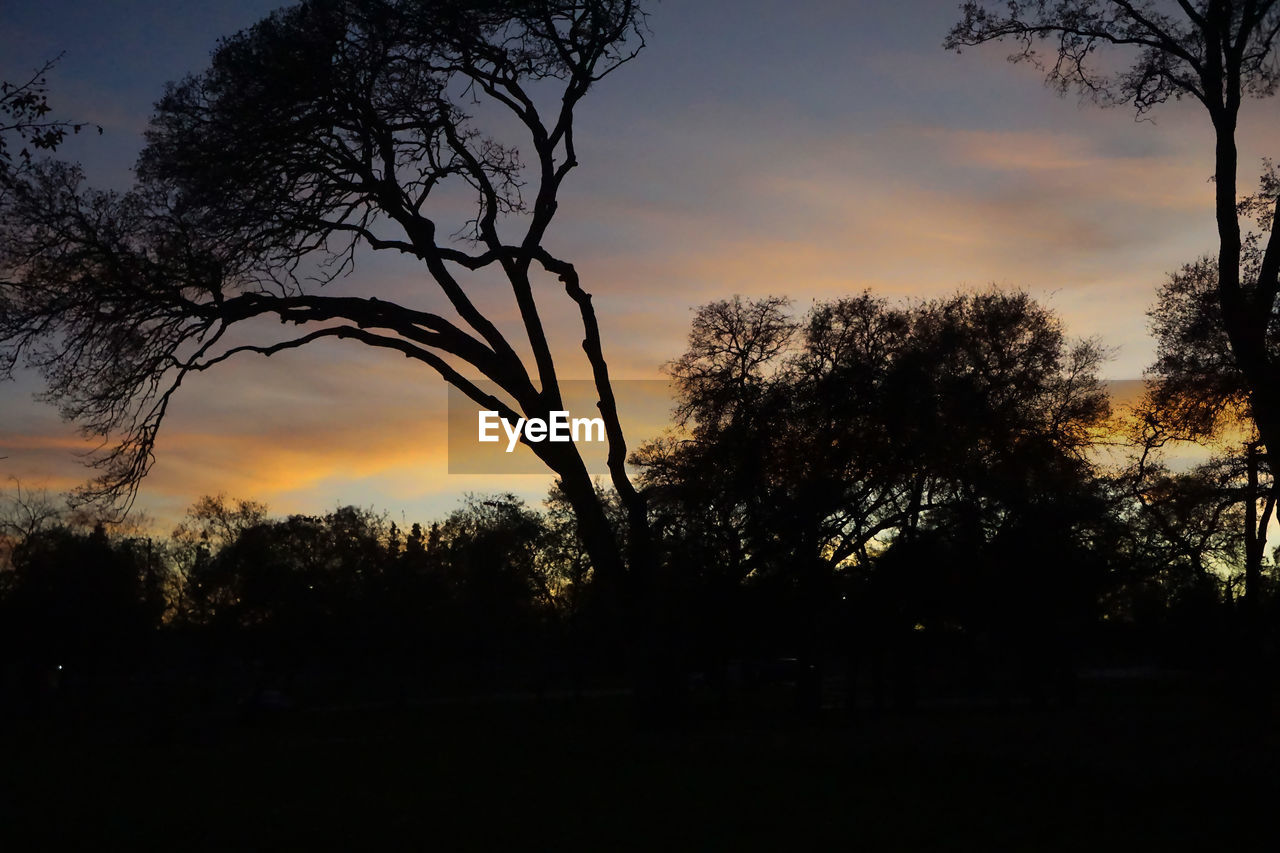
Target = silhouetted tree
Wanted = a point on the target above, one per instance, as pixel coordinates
(808, 448)
(216, 521)
(23, 514)
(212, 523)
(1218, 52)
(564, 563)
(705, 486)
(999, 412)
(330, 126)
(868, 421)
(301, 575)
(1177, 547)
(473, 598)
(490, 549)
(1196, 393)
(1198, 389)
(26, 121)
(80, 601)
(1185, 525)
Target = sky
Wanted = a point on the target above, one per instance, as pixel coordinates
(805, 148)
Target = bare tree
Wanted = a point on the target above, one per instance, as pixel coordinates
(1219, 52)
(25, 512)
(330, 127)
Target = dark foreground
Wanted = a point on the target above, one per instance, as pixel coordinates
(1137, 764)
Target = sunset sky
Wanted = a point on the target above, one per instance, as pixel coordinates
(806, 148)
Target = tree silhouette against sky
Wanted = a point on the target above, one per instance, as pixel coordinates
(328, 128)
(1219, 52)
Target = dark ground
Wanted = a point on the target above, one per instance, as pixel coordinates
(1138, 764)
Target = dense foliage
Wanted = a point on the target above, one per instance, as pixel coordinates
(867, 491)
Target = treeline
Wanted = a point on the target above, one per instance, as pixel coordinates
(901, 498)
(322, 605)
(883, 482)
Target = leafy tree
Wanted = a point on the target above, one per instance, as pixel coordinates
(997, 413)
(866, 418)
(563, 563)
(1190, 523)
(1010, 407)
(1196, 393)
(216, 521)
(296, 575)
(1178, 540)
(329, 127)
(212, 523)
(78, 598)
(959, 427)
(729, 382)
(26, 120)
(1219, 52)
(490, 548)
(1198, 389)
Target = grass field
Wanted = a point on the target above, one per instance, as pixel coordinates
(1134, 766)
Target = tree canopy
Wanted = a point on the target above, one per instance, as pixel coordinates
(330, 127)
(1219, 52)
(26, 119)
(822, 440)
